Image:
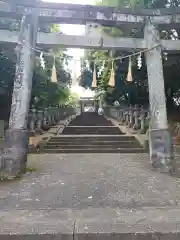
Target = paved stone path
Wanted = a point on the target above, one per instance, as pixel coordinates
(91, 193)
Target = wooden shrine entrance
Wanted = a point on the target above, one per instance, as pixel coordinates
(34, 15)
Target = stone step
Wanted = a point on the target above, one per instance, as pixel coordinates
(90, 119)
(91, 133)
(87, 133)
(96, 150)
(91, 126)
(92, 123)
(92, 130)
(92, 138)
(90, 146)
(87, 142)
(102, 127)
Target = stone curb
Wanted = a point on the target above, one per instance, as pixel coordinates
(95, 236)
(94, 223)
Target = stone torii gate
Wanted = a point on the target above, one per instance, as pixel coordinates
(33, 15)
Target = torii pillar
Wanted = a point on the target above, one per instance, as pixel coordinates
(15, 149)
(160, 141)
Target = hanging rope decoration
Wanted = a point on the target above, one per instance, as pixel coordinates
(42, 62)
(139, 61)
(94, 80)
(54, 73)
(129, 75)
(112, 77)
(100, 60)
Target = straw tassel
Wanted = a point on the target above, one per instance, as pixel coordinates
(54, 73)
(94, 80)
(129, 75)
(112, 77)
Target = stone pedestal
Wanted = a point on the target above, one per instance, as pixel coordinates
(14, 155)
(161, 150)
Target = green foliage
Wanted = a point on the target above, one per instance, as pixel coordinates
(73, 100)
(7, 71)
(121, 3)
(63, 76)
(46, 93)
(85, 78)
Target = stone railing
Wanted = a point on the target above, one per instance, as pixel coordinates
(39, 121)
(134, 117)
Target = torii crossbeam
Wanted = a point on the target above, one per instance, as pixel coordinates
(80, 14)
(102, 42)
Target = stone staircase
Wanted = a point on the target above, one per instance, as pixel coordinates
(91, 133)
(88, 130)
(90, 119)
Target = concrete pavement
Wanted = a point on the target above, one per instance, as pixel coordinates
(93, 195)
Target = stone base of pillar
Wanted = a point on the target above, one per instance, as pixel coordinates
(161, 150)
(32, 133)
(45, 127)
(32, 148)
(39, 131)
(14, 153)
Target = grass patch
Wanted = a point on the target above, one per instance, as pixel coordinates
(4, 176)
(30, 169)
